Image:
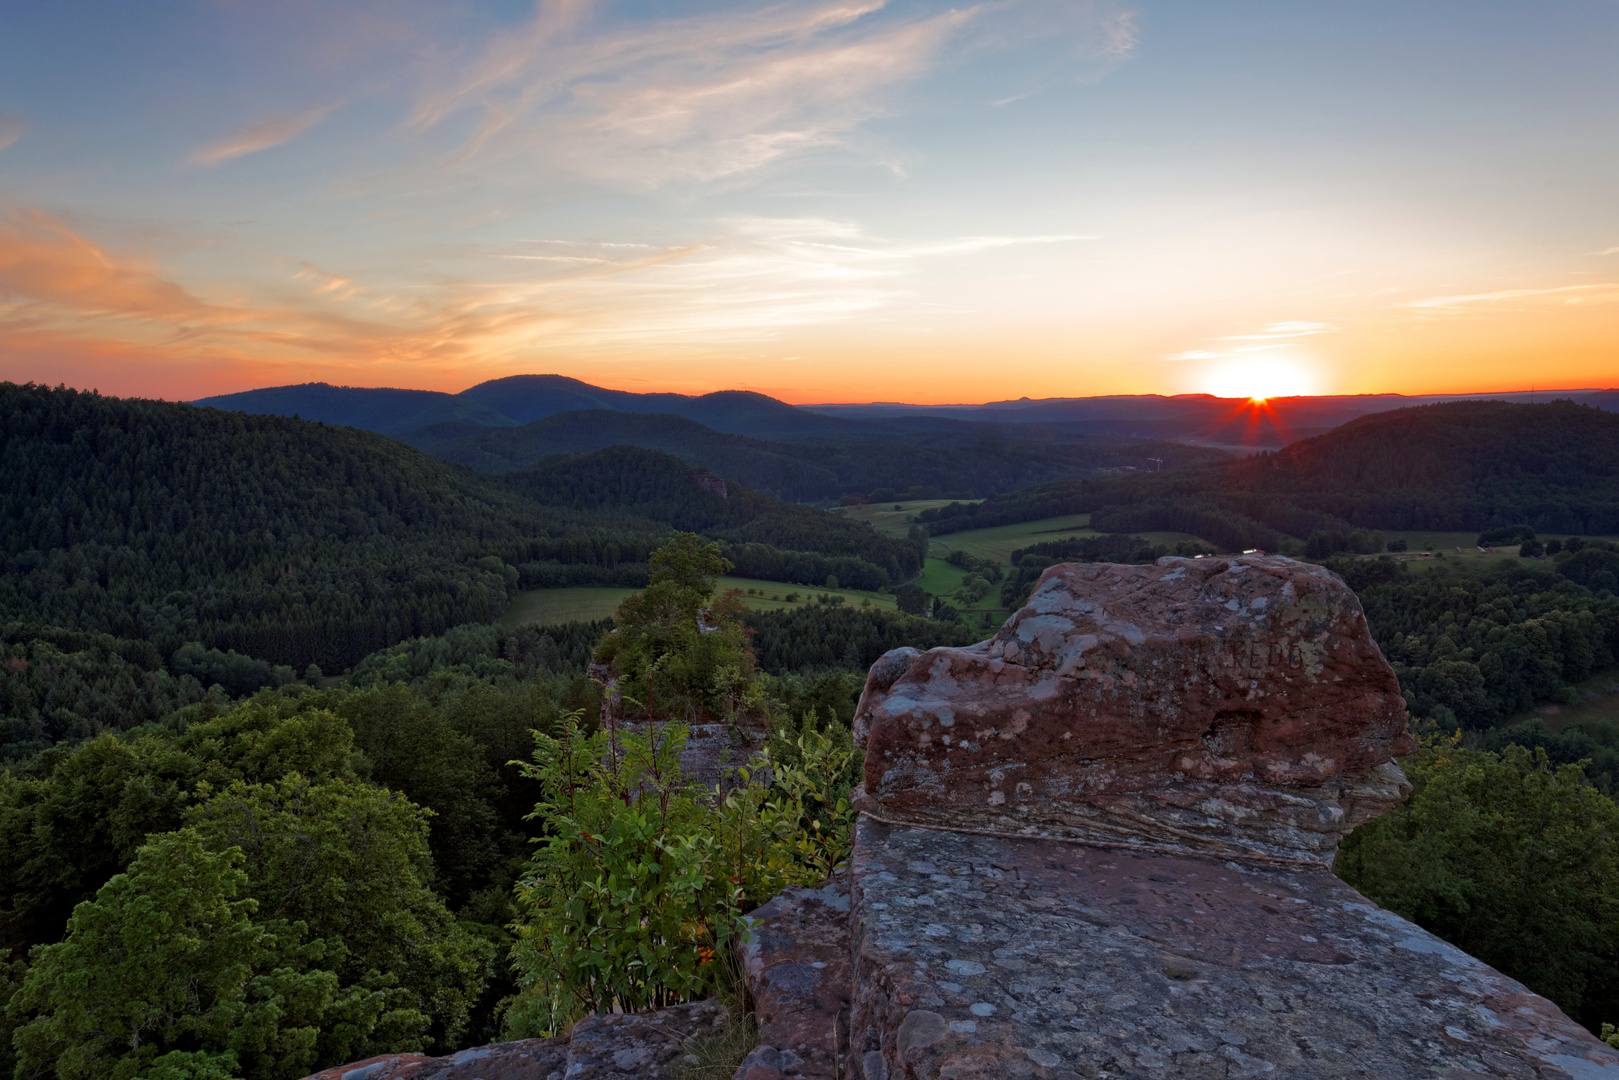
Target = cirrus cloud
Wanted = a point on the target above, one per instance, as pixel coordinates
(11, 129)
(262, 136)
(716, 96)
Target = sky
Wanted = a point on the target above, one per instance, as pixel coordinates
(824, 201)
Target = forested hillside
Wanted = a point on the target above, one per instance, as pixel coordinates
(969, 463)
(1451, 467)
(291, 542)
(387, 411)
(151, 550)
(762, 536)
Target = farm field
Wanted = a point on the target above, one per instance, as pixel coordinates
(999, 541)
(940, 578)
(545, 606)
(1455, 547)
(889, 521)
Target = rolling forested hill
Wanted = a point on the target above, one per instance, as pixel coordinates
(762, 536)
(1449, 467)
(970, 464)
(755, 463)
(150, 549)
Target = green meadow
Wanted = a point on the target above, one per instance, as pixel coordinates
(892, 519)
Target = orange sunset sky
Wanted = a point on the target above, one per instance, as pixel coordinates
(844, 201)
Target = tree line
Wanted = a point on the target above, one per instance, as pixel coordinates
(224, 549)
(1460, 466)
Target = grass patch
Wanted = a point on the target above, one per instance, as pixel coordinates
(940, 578)
(999, 541)
(548, 606)
(772, 595)
(717, 1055)
(889, 521)
(1457, 547)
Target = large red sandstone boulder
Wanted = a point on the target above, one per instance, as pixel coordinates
(1226, 705)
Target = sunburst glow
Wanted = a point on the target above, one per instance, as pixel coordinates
(1260, 378)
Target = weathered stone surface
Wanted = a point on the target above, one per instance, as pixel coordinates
(638, 1046)
(1223, 705)
(529, 1059)
(714, 750)
(979, 956)
(796, 963)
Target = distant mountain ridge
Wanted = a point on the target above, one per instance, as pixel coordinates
(524, 399)
(974, 462)
(385, 410)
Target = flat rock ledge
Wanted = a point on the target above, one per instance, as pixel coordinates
(979, 956)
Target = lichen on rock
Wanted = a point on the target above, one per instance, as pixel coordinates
(1237, 706)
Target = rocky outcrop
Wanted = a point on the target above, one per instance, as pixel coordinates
(709, 482)
(796, 962)
(1234, 706)
(528, 1059)
(640, 1046)
(1097, 845)
(713, 751)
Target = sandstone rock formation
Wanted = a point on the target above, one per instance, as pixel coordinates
(1097, 845)
(1234, 706)
(641, 1046)
(796, 962)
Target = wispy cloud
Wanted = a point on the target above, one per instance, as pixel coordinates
(717, 96)
(1609, 251)
(1603, 291)
(11, 129)
(1282, 331)
(43, 261)
(262, 136)
(700, 98)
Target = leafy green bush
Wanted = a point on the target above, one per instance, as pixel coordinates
(639, 884)
(166, 974)
(1510, 858)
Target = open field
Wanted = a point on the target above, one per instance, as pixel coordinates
(886, 519)
(999, 541)
(1456, 547)
(940, 578)
(546, 606)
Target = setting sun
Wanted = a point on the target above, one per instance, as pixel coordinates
(1260, 378)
